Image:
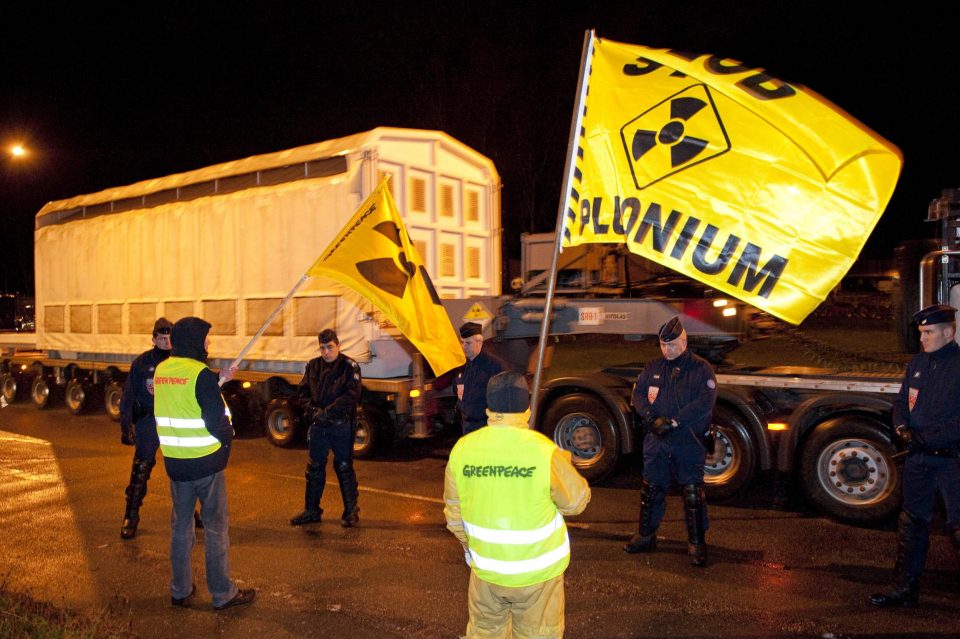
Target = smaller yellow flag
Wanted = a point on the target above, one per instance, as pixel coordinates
(373, 255)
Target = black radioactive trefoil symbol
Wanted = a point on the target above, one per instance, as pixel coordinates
(674, 135)
(383, 272)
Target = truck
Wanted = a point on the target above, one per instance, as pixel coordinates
(227, 242)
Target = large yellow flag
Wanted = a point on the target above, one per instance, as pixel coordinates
(373, 256)
(759, 188)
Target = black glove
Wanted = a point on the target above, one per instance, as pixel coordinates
(319, 414)
(128, 436)
(910, 439)
(662, 425)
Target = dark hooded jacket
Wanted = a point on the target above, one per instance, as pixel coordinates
(189, 336)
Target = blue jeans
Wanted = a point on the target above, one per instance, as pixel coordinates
(212, 493)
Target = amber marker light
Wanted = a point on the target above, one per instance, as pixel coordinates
(247, 384)
(777, 426)
(415, 393)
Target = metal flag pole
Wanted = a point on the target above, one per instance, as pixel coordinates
(236, 362)
(576, 123)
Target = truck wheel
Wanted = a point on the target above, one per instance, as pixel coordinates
(582, 424)
(734, 461)
(75, 397)
(9, 387)
(372, 431)
(281, 422)
(847, 470)
(112, 394)
(42, 393)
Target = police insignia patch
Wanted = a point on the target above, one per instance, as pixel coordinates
(652, 392)
(711, 384)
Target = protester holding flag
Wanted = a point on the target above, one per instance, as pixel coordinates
(330, 393)
(506, 490)
(674, 398)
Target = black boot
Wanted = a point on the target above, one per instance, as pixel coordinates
(136, 491)
(912, 544)
(695, 514)
(316, 476)
(350, 493)
(646, 538)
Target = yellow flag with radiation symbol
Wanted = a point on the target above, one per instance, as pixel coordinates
(373, 255)
(756, 187)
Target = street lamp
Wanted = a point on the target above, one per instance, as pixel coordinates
(18, 151)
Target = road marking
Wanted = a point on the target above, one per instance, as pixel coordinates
(365, 489)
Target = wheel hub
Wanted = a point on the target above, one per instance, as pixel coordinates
(854, 471)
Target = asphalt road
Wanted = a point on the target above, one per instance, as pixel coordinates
(772, 573)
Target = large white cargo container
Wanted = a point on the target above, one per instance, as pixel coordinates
(227, 242)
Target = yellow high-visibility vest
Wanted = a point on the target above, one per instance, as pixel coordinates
(183, 435)
(515, 534)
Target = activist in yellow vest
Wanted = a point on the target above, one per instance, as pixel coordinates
(515, 534)
(183, 435)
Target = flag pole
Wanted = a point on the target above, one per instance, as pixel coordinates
(236, 362)
(576, 123)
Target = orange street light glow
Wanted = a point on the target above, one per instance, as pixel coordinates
(18, 151)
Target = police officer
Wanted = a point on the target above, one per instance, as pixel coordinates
(137, 425)
(926, 418)
(506, 490)
(674, 398)
(330, 394)
(473, 377)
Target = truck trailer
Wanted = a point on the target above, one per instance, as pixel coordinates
(226, 243)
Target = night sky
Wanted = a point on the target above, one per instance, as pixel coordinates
(109, 97)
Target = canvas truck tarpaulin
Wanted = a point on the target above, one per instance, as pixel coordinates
(373, 255)
(756, 187)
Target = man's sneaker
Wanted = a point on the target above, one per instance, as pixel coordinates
(183, 602)
(243, 597)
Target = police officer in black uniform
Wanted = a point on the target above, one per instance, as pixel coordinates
(674, 398)
(473, 377)
(137, 426)
(330, 394)
(926, 418)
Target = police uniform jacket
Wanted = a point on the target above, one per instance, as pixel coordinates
(333, 388)
(684, 389)
(137, 401)
(474, 377)
(929, 399)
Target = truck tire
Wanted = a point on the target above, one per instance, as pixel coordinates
(733, 464)
(43, 393)
(112, 394)
(75, 397)
(372, 432)
(9, 387)
(847, 470)
(583, 425)
(282, 423)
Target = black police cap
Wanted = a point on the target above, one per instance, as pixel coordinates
(671, 330)
(470, 329)
(936, 314)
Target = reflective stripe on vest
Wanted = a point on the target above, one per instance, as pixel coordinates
(515, 535)
(180, 427)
